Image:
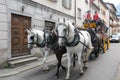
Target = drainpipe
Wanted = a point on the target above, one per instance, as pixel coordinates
(109, 21)
(75, 13)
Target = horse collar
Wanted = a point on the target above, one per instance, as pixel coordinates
(75, 40)
(41, 44)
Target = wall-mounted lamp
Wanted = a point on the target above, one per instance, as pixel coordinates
(51, 15)
(23, 8)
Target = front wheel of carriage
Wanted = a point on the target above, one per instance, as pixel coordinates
(108, 43)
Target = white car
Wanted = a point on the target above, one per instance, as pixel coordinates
(118, 34)
(115, 38)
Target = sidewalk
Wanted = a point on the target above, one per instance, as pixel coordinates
(13, 71)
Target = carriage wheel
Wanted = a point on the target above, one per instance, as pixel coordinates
(108, 43)
(104, 46)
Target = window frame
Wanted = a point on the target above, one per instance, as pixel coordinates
(53, 0)
(64, 4)
(79, 13)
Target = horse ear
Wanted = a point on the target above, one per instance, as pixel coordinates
(34, 26)
(28, 31)
(37, 35)
(58, 20)
(27, 28)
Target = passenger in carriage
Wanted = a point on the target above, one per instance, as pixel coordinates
(88, 16)
(96, 18)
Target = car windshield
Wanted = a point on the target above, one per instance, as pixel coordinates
(118, 33)
(114, 36)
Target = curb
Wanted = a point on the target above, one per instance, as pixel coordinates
(10, 72)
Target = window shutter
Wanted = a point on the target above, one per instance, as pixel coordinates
(64, 3)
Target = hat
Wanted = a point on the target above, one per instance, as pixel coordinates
(88, 11)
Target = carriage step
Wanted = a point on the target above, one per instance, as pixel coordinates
(21, 61)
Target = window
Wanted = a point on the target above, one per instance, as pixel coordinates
(86, 1)
(66, 4)
(103, 12)
(79, 13)
(54, 0)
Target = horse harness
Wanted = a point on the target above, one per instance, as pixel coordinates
(76, 39)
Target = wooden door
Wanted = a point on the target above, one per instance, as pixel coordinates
(19, 35)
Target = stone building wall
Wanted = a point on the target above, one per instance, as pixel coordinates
(38, 13)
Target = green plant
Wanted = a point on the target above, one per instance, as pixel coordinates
(7, 65)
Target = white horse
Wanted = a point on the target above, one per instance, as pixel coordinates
(76, 42)
(36, 38)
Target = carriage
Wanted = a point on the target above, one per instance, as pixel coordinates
(101, 30)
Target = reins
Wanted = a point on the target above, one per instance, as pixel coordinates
(84, 41)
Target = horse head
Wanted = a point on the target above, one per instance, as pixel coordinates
(64, 29)
(31, 38)
(34, 37)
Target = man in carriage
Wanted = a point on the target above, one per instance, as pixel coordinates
(96, 19)
(88, 17)
(95, 16)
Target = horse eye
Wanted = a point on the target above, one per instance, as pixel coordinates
(64, 29)
(32, 37)
(56, 31)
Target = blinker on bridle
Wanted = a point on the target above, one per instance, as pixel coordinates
(32, 37)
(64, 37)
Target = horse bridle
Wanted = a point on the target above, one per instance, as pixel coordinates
(33, 41)
(45, 37)
(64, 37)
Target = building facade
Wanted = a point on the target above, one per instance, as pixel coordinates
(17, 15)
(82, 6)
(113, 17)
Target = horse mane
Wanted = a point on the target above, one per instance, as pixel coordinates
(36, 32)
(71, 26)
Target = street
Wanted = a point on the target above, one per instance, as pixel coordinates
(102, 68)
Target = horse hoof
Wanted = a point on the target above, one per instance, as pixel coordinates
(56, 77)
(46, 68)
(85, 67)
(81, 74)
(96, 55)
(64, 68)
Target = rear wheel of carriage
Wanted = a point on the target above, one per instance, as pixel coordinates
(104, 46)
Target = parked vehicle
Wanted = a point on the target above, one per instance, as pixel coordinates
(118, 34)
(115, 38)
